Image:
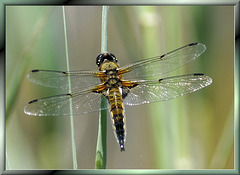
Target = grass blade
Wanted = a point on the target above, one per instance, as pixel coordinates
(101, 152)
(74, 155)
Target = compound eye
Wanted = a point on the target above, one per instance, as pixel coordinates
(99, 60)
(113, 57)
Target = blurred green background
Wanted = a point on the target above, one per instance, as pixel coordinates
(191, 132)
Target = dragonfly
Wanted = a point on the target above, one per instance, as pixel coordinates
(130, 85)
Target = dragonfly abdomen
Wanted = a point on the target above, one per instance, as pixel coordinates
(117, 114)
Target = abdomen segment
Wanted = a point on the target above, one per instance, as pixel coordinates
(117, 115)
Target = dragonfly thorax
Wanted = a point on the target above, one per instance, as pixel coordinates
(113, 82)
(112, 79)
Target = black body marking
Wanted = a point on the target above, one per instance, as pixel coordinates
(120, 131)
(115, 71)
(117, 107)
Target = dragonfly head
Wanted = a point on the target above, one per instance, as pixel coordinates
(105, 57)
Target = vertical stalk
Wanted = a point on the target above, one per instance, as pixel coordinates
(104, 29)
(74, 155)
(101, 151)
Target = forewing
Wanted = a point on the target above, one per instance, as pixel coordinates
(162, 64)
(62, 105)
(60, 79)
(148, 91)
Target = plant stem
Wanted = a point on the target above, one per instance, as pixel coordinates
(101, 152)
(74, 155)
(104, 29)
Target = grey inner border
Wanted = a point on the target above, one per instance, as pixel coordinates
(3, 170)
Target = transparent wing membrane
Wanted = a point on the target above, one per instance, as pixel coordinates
(148, 91)
(163, 64)
(61, 105)
(59, 79)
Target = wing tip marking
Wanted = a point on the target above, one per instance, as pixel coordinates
(198, 74)
(35, 70)
(192, 44)
(33, 101)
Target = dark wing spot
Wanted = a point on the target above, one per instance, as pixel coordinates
(33, 101)
(160, 80)
(192, 44)
(64, 73)
(125, 92)
(35, 70)
(198, 74)
(134, 85)
(162, 56)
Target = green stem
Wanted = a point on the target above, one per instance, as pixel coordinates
(74, 155)
(101, 152)
(104, 29)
